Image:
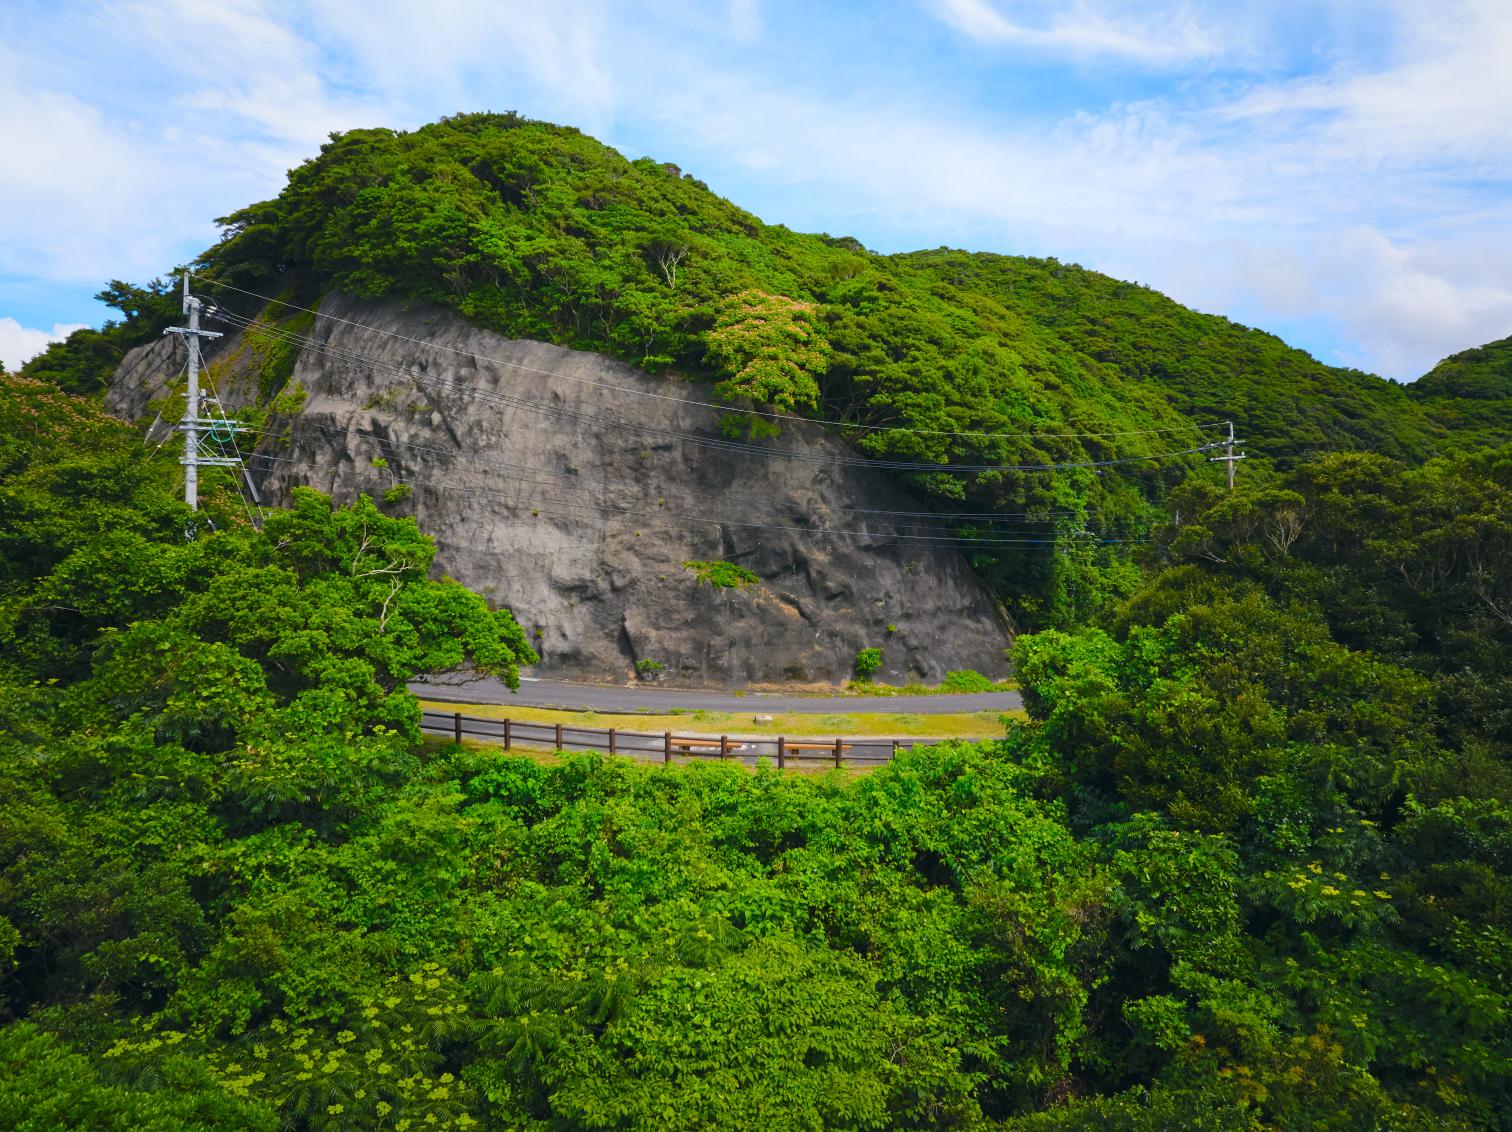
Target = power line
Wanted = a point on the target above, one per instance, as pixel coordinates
(1185, 427)
(195, 425)
(456, 454)
(231, 428)
(1228, 458)
(162, 383)
(719, 444)
(722, 444)
(660, 514)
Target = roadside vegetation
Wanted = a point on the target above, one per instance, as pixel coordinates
(964, 682)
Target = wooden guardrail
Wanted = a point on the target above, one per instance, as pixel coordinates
(508, 733)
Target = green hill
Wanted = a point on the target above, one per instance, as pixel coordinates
(1470, 393)
(537, 230)
(939, 358)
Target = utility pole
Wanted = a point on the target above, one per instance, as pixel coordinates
(193, 422)
(1228, 456)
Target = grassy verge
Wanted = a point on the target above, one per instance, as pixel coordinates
(865, 688)
(902, 725)
(816, 768)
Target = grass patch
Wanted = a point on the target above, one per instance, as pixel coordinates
(722, 575)
(958, 683)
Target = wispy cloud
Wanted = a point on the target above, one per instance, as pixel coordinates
(1448, 99)
(1082, 28)
(745, 20)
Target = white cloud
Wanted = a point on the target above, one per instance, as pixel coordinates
(67, 175)
(1407, 308)
(20, 343)
(1083, 28)
(448, 56)
(1449, 97)
(191, 111)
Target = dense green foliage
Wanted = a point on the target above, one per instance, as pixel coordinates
(1316, 706)
(1471, 393)
(1248, 865)
(1245, 867)
(940, 357)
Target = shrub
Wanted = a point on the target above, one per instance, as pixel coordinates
(646, 668)
(722, 575)
(867, 663)
(967, 680)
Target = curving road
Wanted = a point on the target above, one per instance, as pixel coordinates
(610, 698)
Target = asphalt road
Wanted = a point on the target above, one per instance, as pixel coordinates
(609, 698)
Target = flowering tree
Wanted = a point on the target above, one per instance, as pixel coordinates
(771, 348)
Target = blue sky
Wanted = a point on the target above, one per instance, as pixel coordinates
(1337, 173)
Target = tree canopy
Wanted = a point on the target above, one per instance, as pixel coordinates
(1247, 864)
(937, 357)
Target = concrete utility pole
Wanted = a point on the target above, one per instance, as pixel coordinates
(1228, 456)
(193, 423)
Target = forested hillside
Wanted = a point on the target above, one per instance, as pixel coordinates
(1247, 865)
(539, 231)
(936, 358)
(1471, 393)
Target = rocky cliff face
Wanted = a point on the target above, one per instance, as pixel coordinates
(573, 488)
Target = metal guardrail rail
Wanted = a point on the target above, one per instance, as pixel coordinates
(666, 745)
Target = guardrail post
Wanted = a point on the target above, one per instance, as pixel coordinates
(666, 746)
(457, 726)
(837, 750)
(559, 736)
(781, 752)
(895, 749)
(724, 746)
(612, 748)
(507, 736)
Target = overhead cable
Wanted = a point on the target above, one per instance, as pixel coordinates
(768, 415)
(471, 461)
(1071, 538)
(717, 443)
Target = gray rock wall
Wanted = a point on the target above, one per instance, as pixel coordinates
(554, 485)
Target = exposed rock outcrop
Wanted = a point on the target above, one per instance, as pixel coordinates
(572, 488)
